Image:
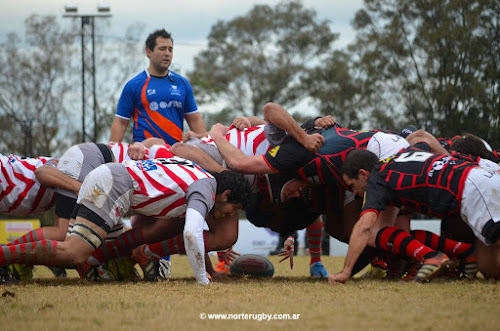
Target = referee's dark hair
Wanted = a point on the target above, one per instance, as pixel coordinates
(241, 191)
(151, 40)
(356, 160)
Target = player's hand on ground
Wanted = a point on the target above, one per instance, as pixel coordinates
(288, 250)
(241, 122)
(218, 130)
(137, 151)
(230, 255)
(313, 142)
(324, 122)
(338, 278)
(219, 275)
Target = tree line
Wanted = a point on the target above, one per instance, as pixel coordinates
(431, 63)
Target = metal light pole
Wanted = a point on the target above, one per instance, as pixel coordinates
(88, 60)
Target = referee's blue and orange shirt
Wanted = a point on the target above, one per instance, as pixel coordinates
(157, 105)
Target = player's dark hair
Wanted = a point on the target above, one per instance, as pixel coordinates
(151, 40)
(238, 185)
(284, 218)
(356, 160)
(473, 145)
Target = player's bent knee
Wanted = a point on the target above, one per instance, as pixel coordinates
(71, 252)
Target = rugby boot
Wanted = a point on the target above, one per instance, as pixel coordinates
(412, 270)
(432, 267)
(21, 271)
(469, 267)
(148, 264)
(165, 267)
(377, 269)
(317, 269)
(222, 266)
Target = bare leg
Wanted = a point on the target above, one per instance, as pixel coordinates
(73, 250)
(488, 260)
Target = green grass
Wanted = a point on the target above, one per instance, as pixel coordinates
(49, 303)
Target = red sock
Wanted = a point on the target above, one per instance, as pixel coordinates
(313, 234)
(392, 239)
(121, 246)
(175, 245)
(38, 252)
(220, 256)
(452, 248)
(170, 246)
(34, 235)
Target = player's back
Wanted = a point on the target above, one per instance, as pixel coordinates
(20, 192)
(428, 183)
(160, 185)
(251, 140)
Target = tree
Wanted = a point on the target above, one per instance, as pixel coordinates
(40, 84)
(117, 61)
(336, 91)
(33, 84)
(260, 57)
(433, 62)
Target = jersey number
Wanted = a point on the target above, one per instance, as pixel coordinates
(182, 162)
(413, 157)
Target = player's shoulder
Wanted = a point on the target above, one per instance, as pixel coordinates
(178, 77)
(137, 80)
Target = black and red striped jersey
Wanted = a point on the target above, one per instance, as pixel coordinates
(323, 167)
(496, 153)
(418, 181)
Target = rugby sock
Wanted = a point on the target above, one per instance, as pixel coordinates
(38, 252)
(313, 234)
(452, 248)
(221, 256)
(34, 235)
(392, 239)
(121, 246)
(170, 246)
(173, 246)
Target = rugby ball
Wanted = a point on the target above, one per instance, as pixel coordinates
(252, 265)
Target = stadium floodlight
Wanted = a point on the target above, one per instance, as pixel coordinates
(103, 7)
(71, 8)
(88, 59)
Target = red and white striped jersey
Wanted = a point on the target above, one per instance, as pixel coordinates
(160, 152)
(160, 185)
(20, 193)
(120, 151)
(251, 141)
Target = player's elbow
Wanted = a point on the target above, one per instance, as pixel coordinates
(366, 222)
(418, 136)
(40, 174)
(268, 109)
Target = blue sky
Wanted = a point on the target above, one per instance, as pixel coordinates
(189, 20)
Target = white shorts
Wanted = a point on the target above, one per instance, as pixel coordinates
(107, 192)
(77, 162)
(481, 202)
(386, 144)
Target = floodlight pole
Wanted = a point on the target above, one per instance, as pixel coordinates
(88, 61)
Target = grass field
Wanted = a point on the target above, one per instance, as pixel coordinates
(47, 303)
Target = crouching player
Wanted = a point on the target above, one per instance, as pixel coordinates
(162, 188)
(426, 183)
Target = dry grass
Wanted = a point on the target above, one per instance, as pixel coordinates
(48, 303)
